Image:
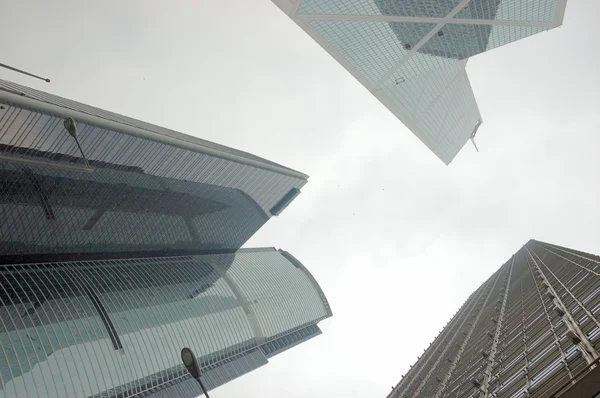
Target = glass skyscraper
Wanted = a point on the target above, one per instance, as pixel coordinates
(411, 54)
(464, 40)
(115, 328)
(120, 245)
(128, 187)
(531, 330)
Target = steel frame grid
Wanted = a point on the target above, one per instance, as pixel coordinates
(537, 328)
(123, 185)
(445, 140)
(32, 129)
(48, 314)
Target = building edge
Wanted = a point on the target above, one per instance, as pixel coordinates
(24, 101)
(312, 279)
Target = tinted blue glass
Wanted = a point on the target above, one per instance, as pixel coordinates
(48, 210)
(108, 328)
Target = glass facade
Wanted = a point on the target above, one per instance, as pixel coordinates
(48, 210)
(412, 53)
(115, 328)
(370, 47)
(119, 246)
(137, 195)
(456, 41)
(511, 10)
(528, 331)
(439, 103)
(500, 10)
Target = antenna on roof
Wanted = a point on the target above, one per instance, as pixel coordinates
(472, 138)
(23, 72)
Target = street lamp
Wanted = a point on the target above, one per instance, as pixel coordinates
(191, 364)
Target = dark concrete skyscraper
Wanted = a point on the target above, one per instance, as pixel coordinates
(531, 330)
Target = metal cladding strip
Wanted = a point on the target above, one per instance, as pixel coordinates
(148, 350)
(513, 320)
(45, 107)
(34, 162)
(575, 253)
(54, 330)
(524, 329)
(155, 352)
(586, 348)
(243, 302)
(79, 307)
(433, 349)
(487, 374)
(39, 139)
(86, 277)
(296, 263)
(548, 317)
(106, 321)
(461, 363)
(469, 365)
(204, 333)
(198, 331)
(568, 290)
(282, 304)
(465, 342)
(573, 262)
(441, 340)
(579, 303)
(23, 320)
(76, 306)
(514, 336)
(16, 344)
(557, 339)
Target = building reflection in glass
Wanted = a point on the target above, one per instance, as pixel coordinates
(116, 327)
(457, 41)
(117, 209)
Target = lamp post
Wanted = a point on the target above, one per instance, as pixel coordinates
(23, 72)
(191, 364)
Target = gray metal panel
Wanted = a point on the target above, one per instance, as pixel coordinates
(185, 387)
(233, 369)
(539, 331)
(284, 343)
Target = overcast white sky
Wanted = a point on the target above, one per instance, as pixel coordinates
(396, 239)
